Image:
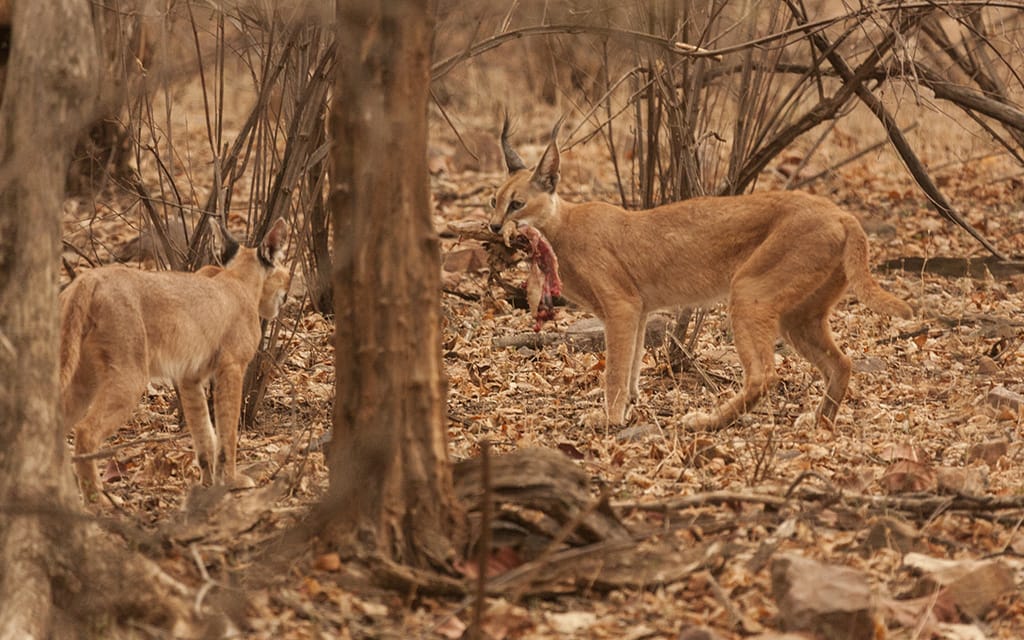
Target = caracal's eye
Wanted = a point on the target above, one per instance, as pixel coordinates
(516, 205)
(494, 202)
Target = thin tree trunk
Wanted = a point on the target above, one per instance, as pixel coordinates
(57, 571)
(390, 478)
(51, 84)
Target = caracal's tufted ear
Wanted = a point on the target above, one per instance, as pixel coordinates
(545, 176)
(272, 247)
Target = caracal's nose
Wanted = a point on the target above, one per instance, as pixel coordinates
(496, 228)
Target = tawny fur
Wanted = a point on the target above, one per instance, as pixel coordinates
(780, 259)
(122, 327)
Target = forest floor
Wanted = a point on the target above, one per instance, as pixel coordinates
(911, 474)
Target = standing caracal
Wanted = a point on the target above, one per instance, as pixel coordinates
(122, 327)
(780, 259)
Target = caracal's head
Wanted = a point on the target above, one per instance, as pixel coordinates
(264, 258)
(527, 197)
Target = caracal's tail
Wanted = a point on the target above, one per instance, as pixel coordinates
(74, 313)
(863, 284)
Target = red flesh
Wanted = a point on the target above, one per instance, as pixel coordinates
(543, 283)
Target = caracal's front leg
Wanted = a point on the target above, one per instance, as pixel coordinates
(197, 417)
(638, 359)
(227, 405)
(620, 330)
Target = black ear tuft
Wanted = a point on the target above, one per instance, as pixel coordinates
(512, 159)
(230, 250)
(228, 245)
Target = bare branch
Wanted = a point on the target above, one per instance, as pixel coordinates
(914, 165)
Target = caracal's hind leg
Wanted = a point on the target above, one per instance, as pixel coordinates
(227, 405)
(754, 329)
(806, 328)
(75, 400)
(197, 417)
(118, 395)
(775, 279)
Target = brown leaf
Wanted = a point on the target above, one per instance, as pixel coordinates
(922, 613)
(505, 620)
(570, 450)
(328, 562)
(989, 451)
(311, 587)
(904, 451)
(452, 628)
(907, 476)
(829, 600)
(470, 259)
(967, 481)
(976, 592)
(112, 472)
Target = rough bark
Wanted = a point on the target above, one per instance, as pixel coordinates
(57, 570)
(390, 479)
(50, 85)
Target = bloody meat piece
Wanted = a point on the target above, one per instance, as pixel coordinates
(543, 282)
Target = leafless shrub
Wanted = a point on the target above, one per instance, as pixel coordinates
(260, 72)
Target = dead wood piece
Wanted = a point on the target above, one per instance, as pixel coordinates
(583, 335)
(528, 340)
(919, 505)
(954, 267)
(925, 505)
(888, 532)
(612, 563)
(407, 579)
(602, 567)
(545, 482)
(111, 451)
(705, 499)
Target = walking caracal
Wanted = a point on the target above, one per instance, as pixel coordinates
(122, 327)
(780, 259)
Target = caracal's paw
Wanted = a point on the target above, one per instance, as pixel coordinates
(594, 419)
(241, 481)
(812, 420)
(700, 421)
(806, 420)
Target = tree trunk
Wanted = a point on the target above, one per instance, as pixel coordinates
(51, 85)
(58, 572)
(390, 478)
